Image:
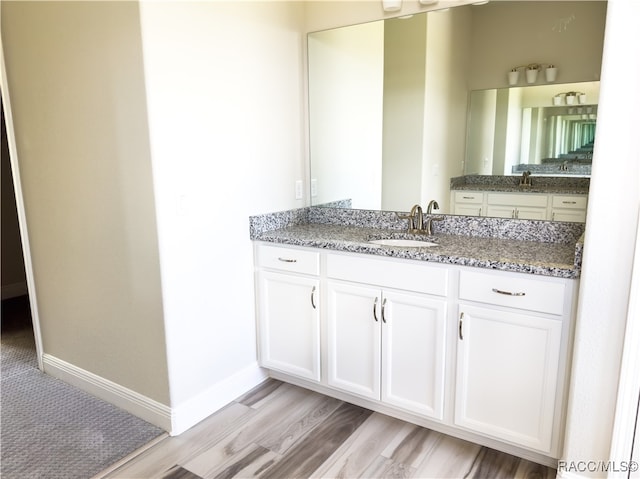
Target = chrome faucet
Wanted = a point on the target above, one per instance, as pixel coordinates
(433, 204)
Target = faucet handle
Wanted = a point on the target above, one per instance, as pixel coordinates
(428, 223)
(407, 217)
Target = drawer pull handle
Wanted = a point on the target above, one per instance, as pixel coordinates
(508, 293)
(569, 202)
(375, 305)
(313, 292)
(384, 302)
(467, 197)
(287, 260)
(460, 326)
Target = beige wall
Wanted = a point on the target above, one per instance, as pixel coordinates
(566, 34)
(225, 101)
(345, 101)
(445, 110)
(76, 85)
(405, 43)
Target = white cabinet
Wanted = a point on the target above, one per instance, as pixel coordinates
(471, 352)
(385, 344)
(509, 360)
(469, 203)
(288, 311)
(507, 375)
(569, 208)
(518, 206)
(413, 352)
(353, 339)
(531, 206)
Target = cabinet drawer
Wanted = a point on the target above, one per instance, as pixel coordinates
(562, 201)
(421, 278)
(545, 296)
(517, 199)
(468, 197)
(288, 259)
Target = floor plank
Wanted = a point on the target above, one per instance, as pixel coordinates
(364, 447)
(281, 431)
(306, 456)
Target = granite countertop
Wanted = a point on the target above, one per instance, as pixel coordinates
(558, 259)
(511, 184)
(544, 189)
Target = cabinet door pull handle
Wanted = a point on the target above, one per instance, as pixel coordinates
(384, 302)
(375, 306)
(508, 293)
(287, 260)
(479, 211)
(460, 326)
(313, 292)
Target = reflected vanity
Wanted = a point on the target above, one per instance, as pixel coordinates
(390, 126)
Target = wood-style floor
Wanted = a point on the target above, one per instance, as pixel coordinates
(282, 431)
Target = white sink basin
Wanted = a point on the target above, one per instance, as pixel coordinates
(408, 243)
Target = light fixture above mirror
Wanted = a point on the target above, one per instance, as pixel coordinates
(531, 73)
(391, 5)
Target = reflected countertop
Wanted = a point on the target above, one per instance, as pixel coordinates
(511, 184)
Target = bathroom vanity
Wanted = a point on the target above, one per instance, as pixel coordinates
(471, 337)
(546, 198)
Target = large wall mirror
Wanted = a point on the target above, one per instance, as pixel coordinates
(398, 107)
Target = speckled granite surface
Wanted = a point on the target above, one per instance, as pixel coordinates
(536, 247)
(510, 184)
(553, 169)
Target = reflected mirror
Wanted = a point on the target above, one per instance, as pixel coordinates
(392, 103)
(513, 130)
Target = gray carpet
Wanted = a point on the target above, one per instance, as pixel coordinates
(52, 430)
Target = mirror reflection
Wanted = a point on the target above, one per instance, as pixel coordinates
(396, 116)
(513, 130)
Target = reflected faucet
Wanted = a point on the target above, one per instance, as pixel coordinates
(525, 180)
(433, 205)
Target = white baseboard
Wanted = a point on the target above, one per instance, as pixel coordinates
(173, 420)
(191, 412)
(13, 290)
(135, 403)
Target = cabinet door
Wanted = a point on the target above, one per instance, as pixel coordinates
(526, 213)
(506, 375)
(501, 211)
(289, 324)
(413, 353)
(468, 210)
(353, 338)
(577, 216)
